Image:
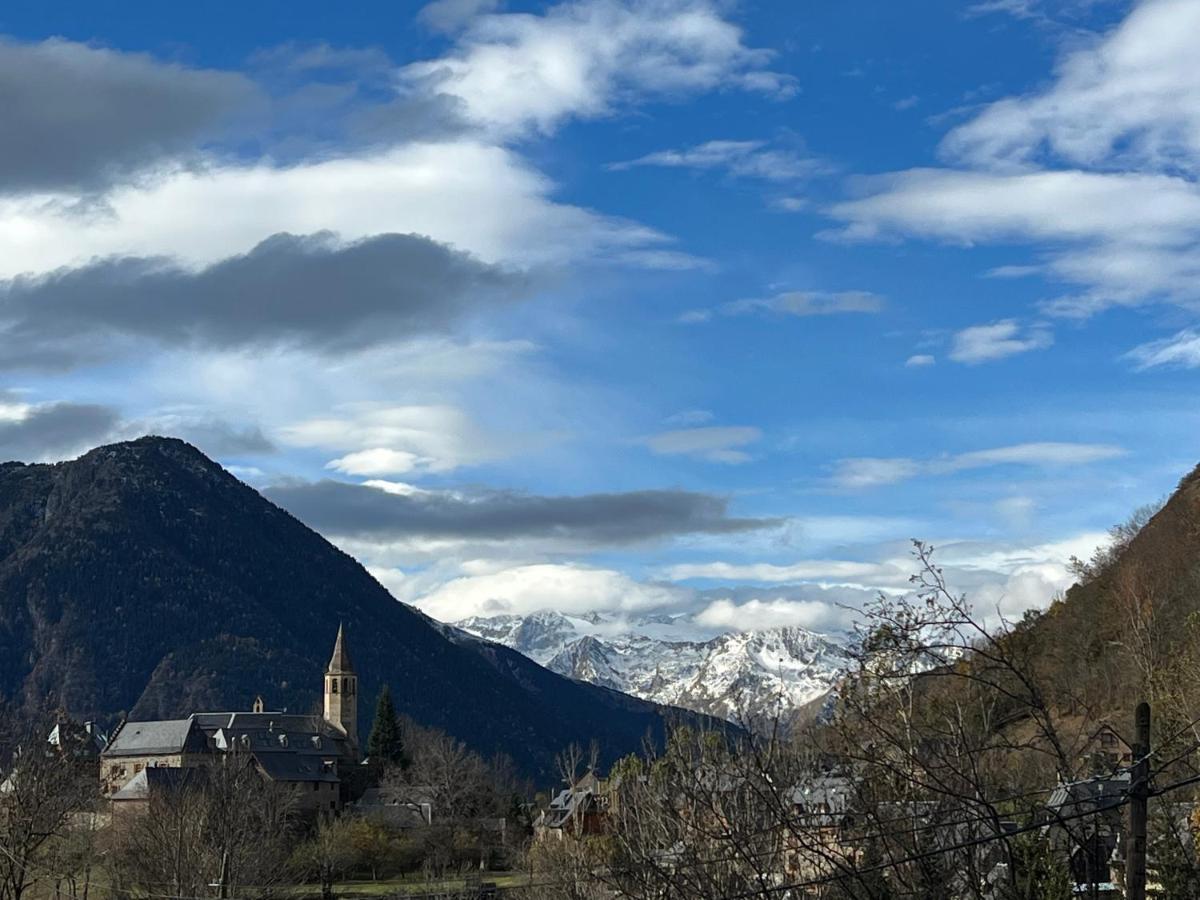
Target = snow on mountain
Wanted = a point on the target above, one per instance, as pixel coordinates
(671, 660)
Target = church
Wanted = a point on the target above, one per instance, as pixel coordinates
(310, 753)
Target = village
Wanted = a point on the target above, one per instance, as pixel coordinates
(328, 813)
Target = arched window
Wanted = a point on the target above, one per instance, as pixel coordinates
(333, 681)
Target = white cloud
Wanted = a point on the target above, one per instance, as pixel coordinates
(1180, 350)
(1130, 101)
(715, 443)
(813, 615)
(566, 588)
(480, 198)
(741, 159)
(870, 472)
(516, 73)
(1099, 167)
(819, 570)
(919, 360)
(394, 440)
(377, 461)
(997, 340)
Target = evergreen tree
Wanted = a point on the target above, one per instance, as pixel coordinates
(386, 744)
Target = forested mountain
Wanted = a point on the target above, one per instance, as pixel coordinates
(144, 579)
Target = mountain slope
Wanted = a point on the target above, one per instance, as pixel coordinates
(755, 674)
(143, 578)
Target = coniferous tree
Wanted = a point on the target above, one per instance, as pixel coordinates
(386, 744)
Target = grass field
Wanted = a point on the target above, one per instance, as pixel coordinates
(407, 885)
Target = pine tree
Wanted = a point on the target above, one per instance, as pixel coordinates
(386, 744)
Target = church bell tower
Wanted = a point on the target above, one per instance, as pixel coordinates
(341, 691)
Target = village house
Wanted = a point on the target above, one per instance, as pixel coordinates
(307, 752)
(578, 811)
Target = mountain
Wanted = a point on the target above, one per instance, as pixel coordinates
(669, 660)
(144, 579)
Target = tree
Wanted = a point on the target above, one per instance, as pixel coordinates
(41, 793)
(222, 824)
(385, 745)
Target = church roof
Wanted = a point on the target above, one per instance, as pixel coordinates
(159, 738)
(339, 663)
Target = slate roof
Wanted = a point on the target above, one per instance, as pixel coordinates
(294, 767)
(159, 738)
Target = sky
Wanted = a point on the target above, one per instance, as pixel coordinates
(690, 306)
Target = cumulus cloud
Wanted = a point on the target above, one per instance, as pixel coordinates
(715, 443)
(52, 431)
(757, 614)
(565, 588)
(793, 303)
(997, 340)
(870, 472)
(919, 361)
(741, 159)
(520, 73)
(361, 511)
(315, 292)
(78, 116)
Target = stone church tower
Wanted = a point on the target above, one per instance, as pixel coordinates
(341, 691)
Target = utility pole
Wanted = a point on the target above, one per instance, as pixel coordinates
(1139, 798)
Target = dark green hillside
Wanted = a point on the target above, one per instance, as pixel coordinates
(144, 579)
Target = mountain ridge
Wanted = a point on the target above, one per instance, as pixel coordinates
(753, 675)
(142, 579)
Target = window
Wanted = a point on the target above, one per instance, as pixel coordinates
(333, 804)
(333, 681)
(316, 785)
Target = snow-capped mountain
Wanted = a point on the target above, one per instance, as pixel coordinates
(752, 674)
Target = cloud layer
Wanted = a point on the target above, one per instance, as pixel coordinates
(361, 511)
(311, 291)
(90, 116)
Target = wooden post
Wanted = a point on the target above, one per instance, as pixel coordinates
(1139, 797)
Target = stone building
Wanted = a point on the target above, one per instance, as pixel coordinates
(307, 752)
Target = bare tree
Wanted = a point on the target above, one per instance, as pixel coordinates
(41, 796)
(222, 827)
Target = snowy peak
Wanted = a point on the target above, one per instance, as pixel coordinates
(669, 659)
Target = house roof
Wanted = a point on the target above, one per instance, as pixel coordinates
(294, 767)
(158, 738)
(1096, 793)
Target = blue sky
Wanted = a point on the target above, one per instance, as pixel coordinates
(621, 304)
